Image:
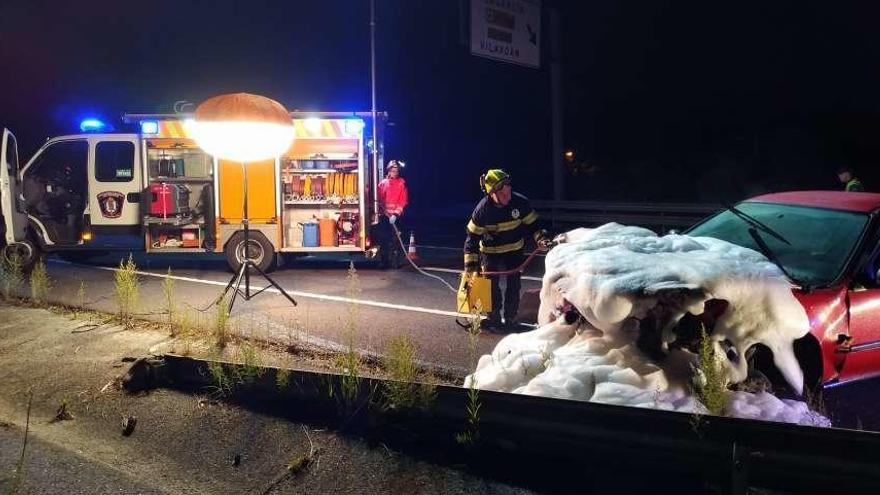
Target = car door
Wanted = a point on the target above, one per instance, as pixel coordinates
(861, 351)
(14, 219)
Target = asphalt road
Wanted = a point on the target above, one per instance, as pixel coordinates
(386, 303)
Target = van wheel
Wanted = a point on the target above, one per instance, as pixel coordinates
(259, 250)
(22, 253)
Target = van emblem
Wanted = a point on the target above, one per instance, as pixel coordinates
(111, 203)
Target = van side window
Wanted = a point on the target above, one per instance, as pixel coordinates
(59, 167)
(61, 162)
(114, 161)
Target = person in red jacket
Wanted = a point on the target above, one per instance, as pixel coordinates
(393, 200)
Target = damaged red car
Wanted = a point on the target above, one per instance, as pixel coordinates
(828, 244)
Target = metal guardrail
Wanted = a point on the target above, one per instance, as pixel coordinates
(658, 215)
(565, 439)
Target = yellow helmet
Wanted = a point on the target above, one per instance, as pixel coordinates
(493, 180)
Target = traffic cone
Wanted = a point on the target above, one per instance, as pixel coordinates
(411, 250)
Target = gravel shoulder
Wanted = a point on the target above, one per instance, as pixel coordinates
(181, 443)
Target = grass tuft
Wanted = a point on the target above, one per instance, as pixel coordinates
(282, 378)
(402, 389)
(17, 485)
(349, 362)
(221, 324)
(251, 363)
(80, 304)
(11, 275)
(471, 434)
(709, 383)
(40, 282)
(222, 380)
(126, 288)
(170, 305)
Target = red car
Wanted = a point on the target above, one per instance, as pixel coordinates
(827, 244)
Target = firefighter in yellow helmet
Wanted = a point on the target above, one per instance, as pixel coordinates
(495, 240)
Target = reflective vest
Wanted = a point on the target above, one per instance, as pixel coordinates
(854, 185)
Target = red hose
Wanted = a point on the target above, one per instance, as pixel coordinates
(520, 268)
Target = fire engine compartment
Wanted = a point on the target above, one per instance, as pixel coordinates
(311, 199)
(321, 188)
(179, 196)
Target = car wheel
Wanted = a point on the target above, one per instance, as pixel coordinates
(259, 250)
(764, 371)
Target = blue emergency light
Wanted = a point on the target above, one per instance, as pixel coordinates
(91, 125)
(149, 127)
(353, 127)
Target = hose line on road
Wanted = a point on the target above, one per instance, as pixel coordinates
(403, 252)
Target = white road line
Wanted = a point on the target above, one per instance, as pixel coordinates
(363, 302)
(458, 272)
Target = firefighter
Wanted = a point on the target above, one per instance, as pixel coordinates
(393, 199)
(847, 176)
(495, 240)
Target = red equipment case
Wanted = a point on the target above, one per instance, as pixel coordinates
(168, 200)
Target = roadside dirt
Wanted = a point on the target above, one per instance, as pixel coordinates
(180, 443)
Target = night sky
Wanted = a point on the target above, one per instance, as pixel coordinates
(664, 101)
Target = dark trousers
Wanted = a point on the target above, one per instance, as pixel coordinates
(497, 263)
(390, 255)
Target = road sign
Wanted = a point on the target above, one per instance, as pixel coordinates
(507, 30)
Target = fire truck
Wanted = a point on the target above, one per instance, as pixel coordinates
(156, 190)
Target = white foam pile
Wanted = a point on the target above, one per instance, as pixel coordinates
(639, 297)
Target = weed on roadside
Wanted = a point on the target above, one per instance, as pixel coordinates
(709, 383)
(80, 304)
(170, 305)
(251, 363)
(11, 275)
(126, 289)
(401, 388)
(221, 324)
(17, 484)
(40, 283)
(349, 362)
(282, 378)
(471, 434)
(222, 381)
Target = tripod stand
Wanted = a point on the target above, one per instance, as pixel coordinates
(247, 262)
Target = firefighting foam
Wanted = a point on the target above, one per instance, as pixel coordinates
(620, 318)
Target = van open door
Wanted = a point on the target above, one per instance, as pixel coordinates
(15, 220)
